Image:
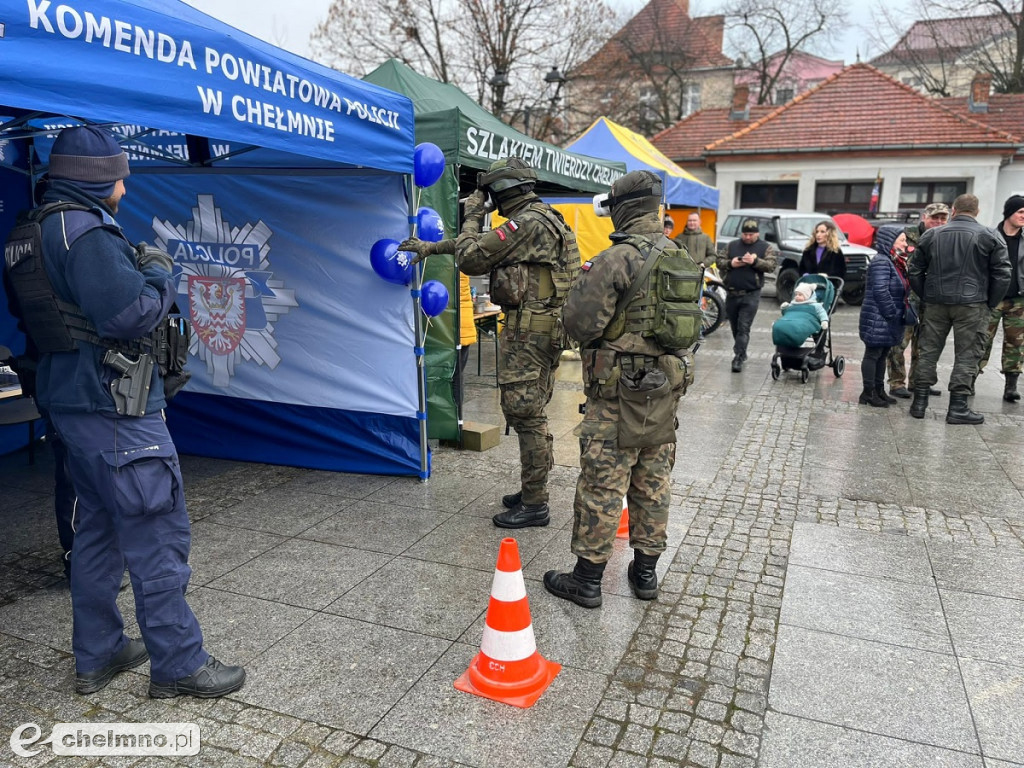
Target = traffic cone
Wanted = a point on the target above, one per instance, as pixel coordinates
(623, 532)
(508, 667)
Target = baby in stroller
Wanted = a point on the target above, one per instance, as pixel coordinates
(802, 338)
(801, 319)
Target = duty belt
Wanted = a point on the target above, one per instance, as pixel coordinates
(530, 322)
(733, 292)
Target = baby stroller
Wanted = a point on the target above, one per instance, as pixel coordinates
(816, 352)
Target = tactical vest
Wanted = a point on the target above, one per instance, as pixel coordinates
(566, 268)
(667, 307)
(55, 325)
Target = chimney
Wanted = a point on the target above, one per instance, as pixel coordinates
(977, 101)
(740, 102)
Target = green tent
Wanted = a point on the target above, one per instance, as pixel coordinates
(471, 139)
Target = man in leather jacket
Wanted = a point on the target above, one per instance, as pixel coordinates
(961, 271)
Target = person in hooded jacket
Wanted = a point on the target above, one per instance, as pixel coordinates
(532, 259)
(611, 354)
(881, 315)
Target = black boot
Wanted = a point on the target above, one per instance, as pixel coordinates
(582, 585)
(1010, 393)
(960, 413)
(872, 398)
(211, 680)
(737, 364)
(642, 576)
(920, 404)
(509, 500)
(888, 398)
(523, 516)
(131, 655)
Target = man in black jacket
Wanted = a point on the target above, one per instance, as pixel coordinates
(742, 265)
(961, 271)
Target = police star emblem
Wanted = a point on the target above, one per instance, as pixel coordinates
(225, 281)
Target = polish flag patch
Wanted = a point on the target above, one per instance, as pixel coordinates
(512, 226)
(587, 265)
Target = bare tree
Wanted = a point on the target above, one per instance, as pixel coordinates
(766, 33)
(497, 51)
(950, 41)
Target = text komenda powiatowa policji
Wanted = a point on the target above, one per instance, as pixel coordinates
(123, 37)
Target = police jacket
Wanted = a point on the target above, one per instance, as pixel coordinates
(591, 303)
(90, 263)
(962, 262)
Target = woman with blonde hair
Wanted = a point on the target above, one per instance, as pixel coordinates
(822, 254)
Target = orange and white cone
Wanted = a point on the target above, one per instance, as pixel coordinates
(508, 667)
(623, 532)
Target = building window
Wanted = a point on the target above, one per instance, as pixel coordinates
(918, 194)
(783, 95)
(691, 99)
(647, 107)
(768, 196)
(850, 196)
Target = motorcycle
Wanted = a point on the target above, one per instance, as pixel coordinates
(712, 301)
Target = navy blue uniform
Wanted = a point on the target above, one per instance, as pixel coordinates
(131, 505)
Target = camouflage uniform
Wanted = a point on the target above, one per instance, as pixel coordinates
(1011, 312)
(608, 472)
(532, 259)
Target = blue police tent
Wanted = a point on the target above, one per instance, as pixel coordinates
(268, 178)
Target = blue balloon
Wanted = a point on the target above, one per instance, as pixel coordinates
(390, 263)
(427, 164)
(429, 226)
(434, 298)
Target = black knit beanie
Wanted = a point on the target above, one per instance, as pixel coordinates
(1013, 204)
(89, 157)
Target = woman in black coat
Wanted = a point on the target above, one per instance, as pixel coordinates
(881, 316)
(822, 255)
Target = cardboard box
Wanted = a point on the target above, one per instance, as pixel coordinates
(479, 437)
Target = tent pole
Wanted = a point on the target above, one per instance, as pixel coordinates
(421, 336)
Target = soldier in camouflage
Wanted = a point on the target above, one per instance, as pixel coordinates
(532, 259)
(1011, 309)
(607, 471)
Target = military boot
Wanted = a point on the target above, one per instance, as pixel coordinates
(960, 413)
(523, 515)
(920, 403)
(642, 576)
(1010, 393)
(582, 585)
(509, 500)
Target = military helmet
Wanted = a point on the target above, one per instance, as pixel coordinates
(507, 173)
(643, 186)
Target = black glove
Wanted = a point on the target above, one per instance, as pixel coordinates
(475, 206)
(148, 255)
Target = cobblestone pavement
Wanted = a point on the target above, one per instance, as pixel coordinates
(355, 601)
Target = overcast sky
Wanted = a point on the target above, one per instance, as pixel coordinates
(288, 25)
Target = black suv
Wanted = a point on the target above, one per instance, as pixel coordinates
(790, 231)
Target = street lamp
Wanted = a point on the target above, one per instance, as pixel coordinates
(498, 85)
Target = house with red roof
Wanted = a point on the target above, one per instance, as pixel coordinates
(660, 66)
(827, 148)
(941, 56)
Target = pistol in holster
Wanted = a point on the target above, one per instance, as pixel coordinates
(131, 390)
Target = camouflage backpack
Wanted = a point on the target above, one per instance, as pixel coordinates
(669, 311)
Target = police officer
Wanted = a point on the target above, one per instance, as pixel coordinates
(131, 501)
(532, 259)
(742, 265)
(613, 352)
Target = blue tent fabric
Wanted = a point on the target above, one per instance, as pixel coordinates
(681, 190)
(268, 178)
(164, 64)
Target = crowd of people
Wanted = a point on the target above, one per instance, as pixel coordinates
(946, 274)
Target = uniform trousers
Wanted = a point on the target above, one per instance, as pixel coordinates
(131, 511)
(968, 322)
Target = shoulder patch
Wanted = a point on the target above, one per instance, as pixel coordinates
(500, 232)
(512, 225)
(587, 265)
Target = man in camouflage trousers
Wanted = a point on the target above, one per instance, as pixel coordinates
(1011, 309)
(532, 259)
(607, 471)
